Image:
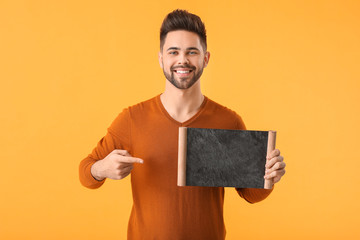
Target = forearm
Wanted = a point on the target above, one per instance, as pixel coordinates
(117, 137)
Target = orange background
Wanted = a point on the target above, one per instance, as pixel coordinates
(67, 68)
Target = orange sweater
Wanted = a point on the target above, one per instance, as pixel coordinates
(161, 209)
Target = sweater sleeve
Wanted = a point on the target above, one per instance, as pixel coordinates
(117, 137)
(251, 195)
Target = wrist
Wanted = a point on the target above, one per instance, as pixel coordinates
(95, 171)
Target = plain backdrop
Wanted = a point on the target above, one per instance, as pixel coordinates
(67, 68)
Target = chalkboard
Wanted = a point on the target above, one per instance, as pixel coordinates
(223, 158)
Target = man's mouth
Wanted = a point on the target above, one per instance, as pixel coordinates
(183, 71)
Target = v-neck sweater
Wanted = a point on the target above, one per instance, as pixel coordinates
(161, 209)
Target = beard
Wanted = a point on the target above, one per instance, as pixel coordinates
(183, 82)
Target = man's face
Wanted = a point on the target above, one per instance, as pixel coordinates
(183, 58)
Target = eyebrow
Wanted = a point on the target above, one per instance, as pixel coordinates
(177, 48)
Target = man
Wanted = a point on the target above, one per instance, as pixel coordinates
(142, 141)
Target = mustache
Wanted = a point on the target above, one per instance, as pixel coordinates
(183, 66)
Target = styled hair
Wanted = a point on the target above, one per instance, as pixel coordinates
(183, 20)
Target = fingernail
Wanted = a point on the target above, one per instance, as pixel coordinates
(141, 161)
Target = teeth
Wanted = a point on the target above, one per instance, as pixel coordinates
(178, 71)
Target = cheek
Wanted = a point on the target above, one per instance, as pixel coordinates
(200, 64)
(167, 64)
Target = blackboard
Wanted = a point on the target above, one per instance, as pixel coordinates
(223, 158)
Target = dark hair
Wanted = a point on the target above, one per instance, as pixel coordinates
(183, 20)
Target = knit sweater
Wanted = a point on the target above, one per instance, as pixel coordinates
(161, 209)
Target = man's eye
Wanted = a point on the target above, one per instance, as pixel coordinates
(173, 53)
(192, 53)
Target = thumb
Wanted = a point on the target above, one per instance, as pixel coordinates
(122, 152)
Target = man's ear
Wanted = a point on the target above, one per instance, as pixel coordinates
(160, 60)
(206, 58)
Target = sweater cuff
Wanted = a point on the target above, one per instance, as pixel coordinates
(90, 181)
(254, 195)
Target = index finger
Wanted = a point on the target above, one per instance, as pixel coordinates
(131, 160)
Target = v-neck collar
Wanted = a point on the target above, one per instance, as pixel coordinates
(187, 122)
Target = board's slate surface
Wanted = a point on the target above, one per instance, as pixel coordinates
(226, 158)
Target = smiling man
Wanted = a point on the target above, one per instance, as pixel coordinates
(142, 141)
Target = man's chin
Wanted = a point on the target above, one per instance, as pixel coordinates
(182, 84)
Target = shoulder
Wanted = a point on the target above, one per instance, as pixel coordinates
(128, 113)
(219, 109)
(144, 106)
(225, 114)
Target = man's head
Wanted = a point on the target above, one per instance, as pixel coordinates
(183, 54)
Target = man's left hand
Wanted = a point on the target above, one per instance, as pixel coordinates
(275, 166)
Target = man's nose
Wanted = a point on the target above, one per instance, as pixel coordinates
(183, 59)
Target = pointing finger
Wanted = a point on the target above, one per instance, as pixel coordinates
(131, 160)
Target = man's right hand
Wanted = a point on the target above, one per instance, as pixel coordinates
(117, 165)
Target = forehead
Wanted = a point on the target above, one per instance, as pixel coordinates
(182, 39)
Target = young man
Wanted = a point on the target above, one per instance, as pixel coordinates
(143, 140)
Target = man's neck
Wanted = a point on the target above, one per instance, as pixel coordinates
(182, 104)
